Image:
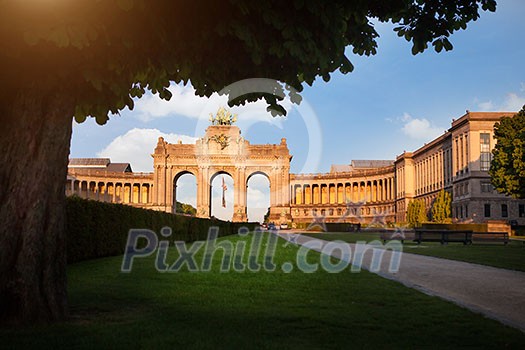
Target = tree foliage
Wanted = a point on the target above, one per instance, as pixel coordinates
(442, 207)
(416, 213)
(102, 54)
(507, 169)
(183, 208)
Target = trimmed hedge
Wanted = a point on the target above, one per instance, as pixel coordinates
(96, 229)
(330, 226)
(438, 226)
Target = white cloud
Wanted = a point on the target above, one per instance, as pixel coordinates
(486, 106)
(512, 102)
(184, 102)
(136, 146)
(258, 197)
(419, 128)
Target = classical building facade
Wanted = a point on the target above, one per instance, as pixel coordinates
(365, 191)
(458, 162)
(99, 179)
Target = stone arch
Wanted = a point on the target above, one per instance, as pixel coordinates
(222, 151)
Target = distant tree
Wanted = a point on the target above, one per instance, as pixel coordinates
(187, 209)
(507, 169)
(91, 58)
(267, 215)
(442, 207)
(416, 213)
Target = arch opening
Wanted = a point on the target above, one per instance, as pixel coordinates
(185, 194)
(222, 196)
(258, 197)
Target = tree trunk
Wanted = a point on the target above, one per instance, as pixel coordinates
(35, 133)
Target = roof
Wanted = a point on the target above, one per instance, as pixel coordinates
(369, 164)
(119, 167)
(360, 164)
(489, 116)
(335, 168)
(99, 164)
(88, 162)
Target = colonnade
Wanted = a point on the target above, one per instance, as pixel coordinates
(343, 192)
(139, 193)
(433, 172)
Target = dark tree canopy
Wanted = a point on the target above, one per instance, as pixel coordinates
(103, 53)
(507, 169)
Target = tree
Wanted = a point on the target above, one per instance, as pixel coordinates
(442, 207)
(266, 216)
(416, 213)
(183, 208)
(507, 169)
(91, 58)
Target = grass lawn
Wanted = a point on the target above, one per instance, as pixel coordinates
(510, 256)
(211, 310)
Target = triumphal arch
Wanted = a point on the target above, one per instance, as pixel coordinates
(222, 150)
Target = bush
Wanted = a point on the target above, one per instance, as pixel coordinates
(416, 213)
(96, 229)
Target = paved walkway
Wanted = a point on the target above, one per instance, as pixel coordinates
(494, 292)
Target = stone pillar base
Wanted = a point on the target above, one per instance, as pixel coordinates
(239, 214)
(280, 215)
(203, 212)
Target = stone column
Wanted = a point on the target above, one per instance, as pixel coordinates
(240, 189)
(156, 184)
(203, 192)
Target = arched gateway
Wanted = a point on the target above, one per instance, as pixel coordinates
(222, 150)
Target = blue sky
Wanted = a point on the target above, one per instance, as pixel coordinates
(393, 101)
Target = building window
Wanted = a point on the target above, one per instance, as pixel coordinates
(331, 212)
(486, 187)
(487, 210)
(521, 210)
(466, 211)
(461, 212)
(484, 140)
(504, 211)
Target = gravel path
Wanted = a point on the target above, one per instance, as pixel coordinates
(494, 292)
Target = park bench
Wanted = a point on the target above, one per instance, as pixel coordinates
(479, 237)
(443, 236)
(391, 235)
